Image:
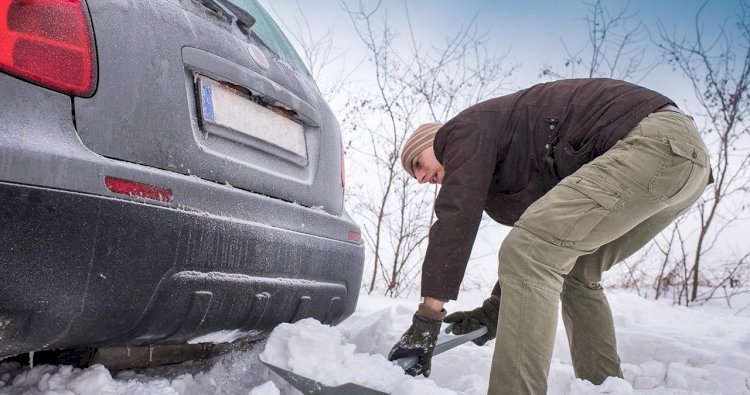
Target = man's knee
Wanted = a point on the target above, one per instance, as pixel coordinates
(577, 286)
(526, 259)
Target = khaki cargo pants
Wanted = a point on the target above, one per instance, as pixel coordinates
(562, 243)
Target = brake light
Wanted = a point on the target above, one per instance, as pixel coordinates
(137, 189)
(49, 43)
(354, 237)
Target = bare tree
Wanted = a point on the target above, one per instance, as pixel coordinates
(413, 84)
(666, 277)
(615, 48)
(719, 70)
(319, 54)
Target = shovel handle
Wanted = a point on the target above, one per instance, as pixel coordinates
(444, 343)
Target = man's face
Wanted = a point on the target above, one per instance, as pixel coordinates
(426, 167)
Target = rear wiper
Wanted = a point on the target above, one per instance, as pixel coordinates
(244, 20)
(216, 8)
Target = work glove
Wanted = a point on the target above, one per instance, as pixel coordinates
(419, 340)
(468, 321)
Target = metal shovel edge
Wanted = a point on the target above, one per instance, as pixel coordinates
(309, 386)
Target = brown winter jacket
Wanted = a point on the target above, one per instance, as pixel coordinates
(502, 154)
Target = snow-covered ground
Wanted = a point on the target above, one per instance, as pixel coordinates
(665, 350)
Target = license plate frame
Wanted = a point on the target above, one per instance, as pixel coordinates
(232, 114)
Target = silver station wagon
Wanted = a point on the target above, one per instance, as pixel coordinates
(169, 175)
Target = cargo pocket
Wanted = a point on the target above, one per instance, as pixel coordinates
(571, 210)
(603, 202)
(676, 168)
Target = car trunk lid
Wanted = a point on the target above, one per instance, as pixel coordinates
(183, 88)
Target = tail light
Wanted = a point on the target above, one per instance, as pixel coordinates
(49, 43)
(354, 237)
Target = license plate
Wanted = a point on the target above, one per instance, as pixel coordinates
(226, 107)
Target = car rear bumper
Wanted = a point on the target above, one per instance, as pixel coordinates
(84, 269)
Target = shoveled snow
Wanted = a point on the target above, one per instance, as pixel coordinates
(299, 347)
(268, 388)
(665, 350)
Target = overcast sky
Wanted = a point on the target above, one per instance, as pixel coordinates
(532, 32)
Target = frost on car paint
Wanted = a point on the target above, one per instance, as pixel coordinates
(195, 235)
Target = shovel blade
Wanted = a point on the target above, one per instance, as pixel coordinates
(309, 386)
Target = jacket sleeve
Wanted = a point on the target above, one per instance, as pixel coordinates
(469, 157)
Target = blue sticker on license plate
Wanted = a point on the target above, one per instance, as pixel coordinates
(207, 102)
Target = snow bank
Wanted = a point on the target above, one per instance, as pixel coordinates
(666, 350)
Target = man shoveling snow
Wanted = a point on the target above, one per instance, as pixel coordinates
(586, 172)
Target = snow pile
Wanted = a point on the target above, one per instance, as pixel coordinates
(237, 372)
(666, 350)
(682, 348)
(318, 351)
(66, 380)
(265, 389)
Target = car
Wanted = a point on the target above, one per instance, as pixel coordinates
(170, 175)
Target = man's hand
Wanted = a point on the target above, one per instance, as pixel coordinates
(467, 321)
(419, 340)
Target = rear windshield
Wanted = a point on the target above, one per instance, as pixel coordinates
(269, 33)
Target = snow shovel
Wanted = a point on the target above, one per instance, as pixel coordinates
(310, 386)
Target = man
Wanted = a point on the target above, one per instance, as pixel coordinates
(586, 171)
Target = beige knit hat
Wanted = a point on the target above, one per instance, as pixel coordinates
(419, 140)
